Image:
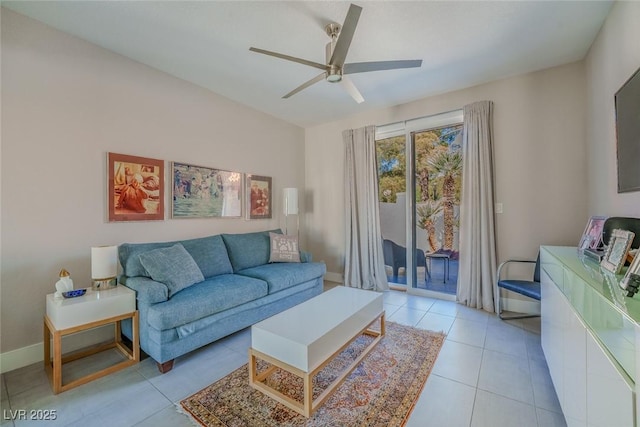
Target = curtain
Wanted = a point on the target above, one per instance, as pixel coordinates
(364, 260)
(477, 264)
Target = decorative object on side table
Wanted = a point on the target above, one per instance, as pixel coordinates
(64, 284)
(631, 280)
(104, 267)
(616, 254)
(74, 293)
(135, 188)
(258, 197)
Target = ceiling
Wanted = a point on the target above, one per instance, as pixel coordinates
(207, 43)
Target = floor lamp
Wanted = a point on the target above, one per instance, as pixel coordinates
(290, 207)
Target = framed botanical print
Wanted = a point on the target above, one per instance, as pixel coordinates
(135, 188)
(616, 254)
(258, 197)
(203, 192)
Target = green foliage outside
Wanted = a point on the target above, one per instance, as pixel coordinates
(438, 178)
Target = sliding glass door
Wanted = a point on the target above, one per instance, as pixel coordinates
(419, 176)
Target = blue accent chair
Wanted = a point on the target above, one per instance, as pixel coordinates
(528, 288)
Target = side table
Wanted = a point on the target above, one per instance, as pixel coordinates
(445, 258)
(94, 309)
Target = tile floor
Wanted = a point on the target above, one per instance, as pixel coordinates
(489, 373)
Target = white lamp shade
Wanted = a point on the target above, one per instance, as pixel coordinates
(290, 201)
(104, 262)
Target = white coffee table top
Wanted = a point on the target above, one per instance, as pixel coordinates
(304, 336)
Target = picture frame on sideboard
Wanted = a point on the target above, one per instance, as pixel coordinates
(592, 235)
(616, 254)
(630, 280)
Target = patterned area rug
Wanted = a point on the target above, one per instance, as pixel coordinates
(381, 390)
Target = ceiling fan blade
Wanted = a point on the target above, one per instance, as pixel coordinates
(346, 35)
(352, 89)
(363, 67)
(316, 79)
(289, 58)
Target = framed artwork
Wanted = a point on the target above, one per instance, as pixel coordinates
(203, 192)
(135, 188)
(592, 235)
(616, 254)
(259, 197)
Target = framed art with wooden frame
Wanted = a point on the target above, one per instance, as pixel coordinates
(592, 235)
(135, 188)
(616, 254)
(258, 197)
(203, 192)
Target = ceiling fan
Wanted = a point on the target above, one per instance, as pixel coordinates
(335, 70)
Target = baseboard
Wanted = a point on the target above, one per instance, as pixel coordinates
(25, 356)
(520, 306)
(333, 277)
(21, 357)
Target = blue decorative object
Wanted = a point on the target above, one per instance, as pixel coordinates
(74, 293)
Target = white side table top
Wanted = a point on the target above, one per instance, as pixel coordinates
(93, 306)
(307, 334)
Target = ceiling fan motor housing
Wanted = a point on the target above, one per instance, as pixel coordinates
(334, 72)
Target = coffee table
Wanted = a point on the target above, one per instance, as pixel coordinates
(304, 338)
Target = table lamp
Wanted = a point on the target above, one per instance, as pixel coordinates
(104, 267)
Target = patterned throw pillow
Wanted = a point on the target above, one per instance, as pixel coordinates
(172, 266)
(284, 248)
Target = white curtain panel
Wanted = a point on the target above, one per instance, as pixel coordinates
(477, 267)
(364, 260)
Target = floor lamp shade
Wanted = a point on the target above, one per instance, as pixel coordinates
(290, 201)
(104, 266)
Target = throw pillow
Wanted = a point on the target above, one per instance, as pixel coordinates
(172, 266)
(284, 248)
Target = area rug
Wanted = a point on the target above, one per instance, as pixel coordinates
(381, 390)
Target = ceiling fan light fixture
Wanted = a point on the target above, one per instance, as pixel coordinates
(334, 75)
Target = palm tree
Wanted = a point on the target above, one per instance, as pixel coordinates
(448, 165)
(427, 213)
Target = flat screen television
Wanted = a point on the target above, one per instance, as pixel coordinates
(627, 101)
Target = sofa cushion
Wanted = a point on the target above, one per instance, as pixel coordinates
(212, 296)
(172, 266)
(283, 248)
(210, 253)
(281, 276)
(249, 249)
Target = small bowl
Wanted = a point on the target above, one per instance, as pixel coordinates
(74, 293)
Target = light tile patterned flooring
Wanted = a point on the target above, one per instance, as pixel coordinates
(489, 373)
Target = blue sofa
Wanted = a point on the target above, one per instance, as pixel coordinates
(239, 287)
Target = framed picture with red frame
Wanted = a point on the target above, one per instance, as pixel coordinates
(135, 188)
(258, 197)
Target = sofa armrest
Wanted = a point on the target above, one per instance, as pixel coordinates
(305, 256)
(147, 290)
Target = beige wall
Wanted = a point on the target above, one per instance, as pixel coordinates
(613, 58)
(65, 104)
(539, 123)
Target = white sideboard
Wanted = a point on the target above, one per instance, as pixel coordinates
(589, 334)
